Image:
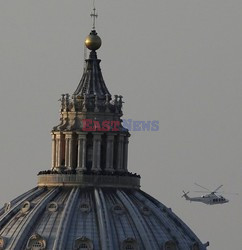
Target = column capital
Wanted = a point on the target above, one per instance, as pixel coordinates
(122, 134)
(82, 135)
(68, 134)
(111, 134)
(121, 137)
(56, 132)
(58, 136)
(97, 136)
(97, 133)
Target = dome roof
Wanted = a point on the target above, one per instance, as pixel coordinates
(92, 218)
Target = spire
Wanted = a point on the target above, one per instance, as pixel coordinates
(92, 84)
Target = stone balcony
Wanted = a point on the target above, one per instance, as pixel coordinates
(83, 180)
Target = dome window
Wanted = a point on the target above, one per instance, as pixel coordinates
(129, 247)
(36, 242)
(83, 246)
(85, 207)
(2, 243)
(83, 243)
(195, 246)
(25, 207)
(145, 210)
(170, 245)
(118, 209)
(36, 245)
(7, 207)
(52, 206)
(130, 244)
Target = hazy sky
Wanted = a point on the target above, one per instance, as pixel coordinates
(176, 61)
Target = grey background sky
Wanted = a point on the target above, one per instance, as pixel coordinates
(176, 61)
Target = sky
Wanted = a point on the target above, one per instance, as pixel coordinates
(174, 61)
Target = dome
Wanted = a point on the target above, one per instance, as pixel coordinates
(92, 218)
(88, 199)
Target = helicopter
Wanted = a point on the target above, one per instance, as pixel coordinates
(212, 198)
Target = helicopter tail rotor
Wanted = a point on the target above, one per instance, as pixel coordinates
(185, 194)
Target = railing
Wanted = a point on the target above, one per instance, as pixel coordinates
(51, 180)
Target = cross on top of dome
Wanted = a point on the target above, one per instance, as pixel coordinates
(94, 15)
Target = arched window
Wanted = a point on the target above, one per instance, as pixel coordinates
(83, 243)
(129, 247)
(83, 246)
(85, 207)
(7, 207)
(36, 242)
(52, 206)
(2, 243)
(130, 244)
(25, 207)
(170, 245)
(118, 209)
(36, 245)
(195, 246)
(145, 210)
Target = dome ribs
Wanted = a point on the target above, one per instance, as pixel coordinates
(13, 202)
(138, 220)
(106, 216)
(106, 226)
(182, 233)
(15, 208)
(30, 220)
(120, 225)
(102, 224)
(61, 236)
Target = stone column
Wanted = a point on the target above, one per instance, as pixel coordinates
(82, 151)
(120, 152)
(96, 151)
(66, 151)
(109, 152)
(126, 143)
(59, 149)
(69, 150)
(56, 150)
(53, 164)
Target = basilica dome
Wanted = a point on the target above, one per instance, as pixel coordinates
(92, 218)
(89, 199)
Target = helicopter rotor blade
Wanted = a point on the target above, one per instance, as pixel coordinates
(202, 187)
(203, 192)
(227, 193)
(215, 191)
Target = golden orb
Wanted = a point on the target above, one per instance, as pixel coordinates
(93, 41)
